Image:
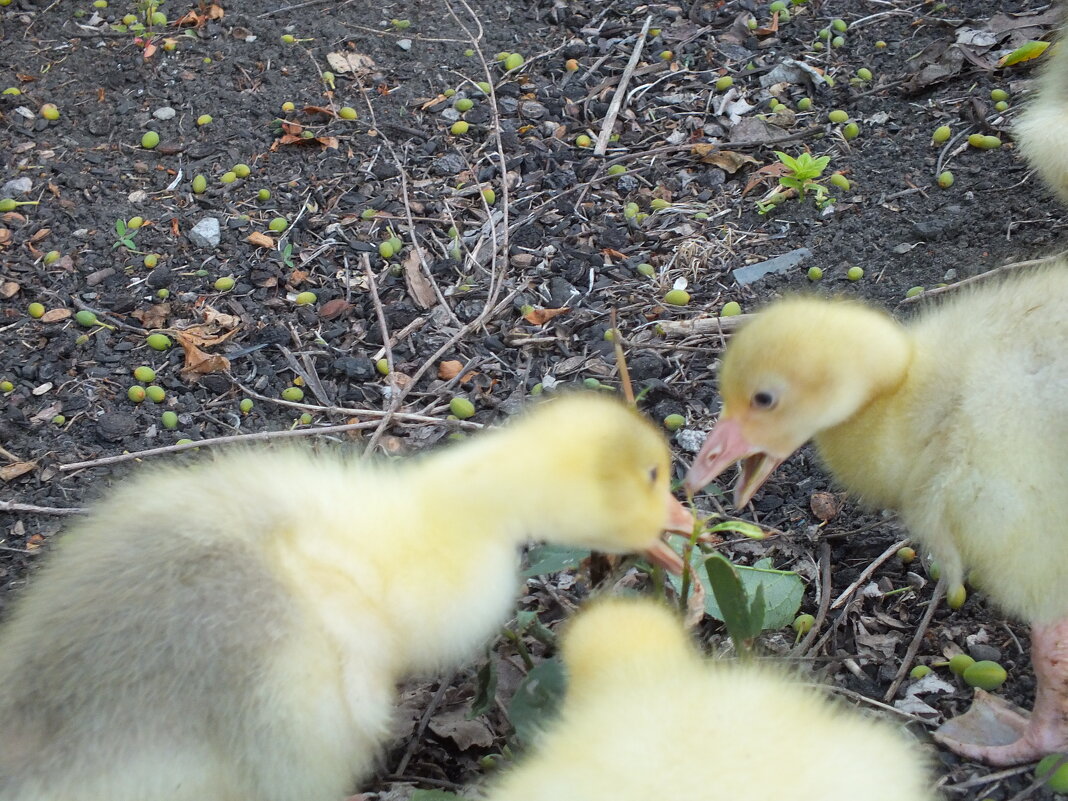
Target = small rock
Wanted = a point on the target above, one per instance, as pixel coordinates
(115, 426)
(205, 234)
(16, 187)
(690, 439)
(532, 110)
(449, 164)
(355, 368)
(404, 44)
(164, 113)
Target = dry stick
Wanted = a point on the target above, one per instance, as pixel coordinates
(703, 325)
(621, 360)
(866, 573)
(989, 778)
(424, 721)
(914, 646)
(380, 313)
(621, 91)
(1016, 265)
(825, 599)
(12, 506)
(260, 435)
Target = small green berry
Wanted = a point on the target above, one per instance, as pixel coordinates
(514, 61)
(169, 420)
(489, 196)
(673, 422)
(666, 55)
(956, 596)
(985, 674)
(591, 383)
(163, 293)
(723, 83)
(1001, 105)
(158, 341)
(385, 250)
(86, 318)
(659, 204)
(815, 273)
(204, 119)
(998, 94)
(855, 273)
(916, 290)
(840, 25)
(200, 184)
(305, 419)
(840, 181)
(150, 260)
(136, 393)
(242, 170)
(155, 393)
(462, 407)
(288, 106)
(583, 141)
(960, 663)
(484, 87)
(469, 52)
(135, 222)
(144, 374)
(838, 41)
(306, 298)
(288, 38)
(646, 269)
(463, 104)
(880, 44)
(245, 406)
(263, 195)
(804, 104)
(984, 142)
(459, 128)
(59, 420)
(920, 671)
(6, 386)
(36, 310)
(1055, 780)
(278, 224)
(941, 134)
(850, 131)
(228, 177)
(149, 140)
(838, 116)
(617, 169)
(293, 394)
(630, 210)
(347, 113)
(906, 555)
(731, 309)
(803, 624)
(224, 284)
(864, 74)
(677, 297)
(49, 111)
(945, 179)
(382, 366)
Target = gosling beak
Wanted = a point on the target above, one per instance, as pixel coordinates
(679, 521)
(724, 446)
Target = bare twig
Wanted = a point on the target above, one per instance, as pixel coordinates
(866, 573)
(12, 506)
(914, 646)
(621, 91)
(1016, 265)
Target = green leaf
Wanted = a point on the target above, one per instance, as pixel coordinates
(733, 601)
(750, 530)
(1025, 52)
(552, 559)
(486, 688)
(435, 795)
(536, 699)
(120, 228)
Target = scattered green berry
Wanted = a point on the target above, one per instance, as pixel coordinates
(956, 596)
(945, 179)
(293, 394)
(149, 140)
(815, 273)
(1055, 780)
(49, 111)
(850, 131)
(864, 74)
(804, 104)
(855, 273)
(278, 224)
(840, 25)
(136, 393)
(459, 128)
(920, 671)
(263, 195)
(6, 386)
(347, 113)
(86, 318)
(155, 393)
(985, 675)
(723, 83)
(489, 196)
(677, 297)
(731, 308)
(36, 310)
(941, 134)
(169, 420)
(803, 624)
(984, 142)
(382, 366)
(838, 116)
(144, 374)
(158, 341)
(998, 94)
(306, 298)
(462, 407)
(960, 663)
(245, 406)
(916, 290)
(200, 184)
(840, 181)
(1001, 105)
(224, 284)
(59, 420)
(906, 555)
(646, 269)
(204, 119)
(513, 62)
(583, 141)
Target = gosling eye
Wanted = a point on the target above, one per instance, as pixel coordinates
(654, 473)
(763, 400)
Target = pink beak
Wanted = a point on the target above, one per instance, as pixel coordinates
(724, 446)
(679, 521)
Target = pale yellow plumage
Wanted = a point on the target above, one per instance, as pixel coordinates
(959, 421)
(1042, 129)
(234, 631)
(646, 717)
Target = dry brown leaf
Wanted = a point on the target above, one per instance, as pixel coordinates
(197, 362)
(16, 469)
(5, 236)
(334, 308)
(418, 285)
(214, 317)
(260, 240)
(350, 62)
(449, 369)
(729, 160)
(203, 336)
(9, 289)
(542, 316)
(41, 234)
(55, 315)
(154, 316)
(297, 277)
(824, 506)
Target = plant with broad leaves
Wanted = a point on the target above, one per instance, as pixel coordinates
(802, 175)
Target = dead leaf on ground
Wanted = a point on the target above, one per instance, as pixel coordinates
(260, 240)
(55, 315)
(465, 734)
(9, 289)
(214, 317)
(297, 277)
(419, 286)
(203, 336)
(354, 62)
(334, 308)
(11, 471)
(449, 369)
(197, 362)
(542, 316)
(154, 316)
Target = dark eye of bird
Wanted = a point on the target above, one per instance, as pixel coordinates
(653, 473)
(763, 400)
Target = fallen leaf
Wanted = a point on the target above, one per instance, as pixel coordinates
(449, 369)
(334, 308)
(55, 315)
(1025, 52)
(542, 316)
(9, 289)
(727, 160)
(465, 734)
(326, 112)
(203, 336)
(197, 362)
(154, 316)
(260, 240)
(419, 286)
(214, 317)
(297, 277)
(16, 469)
(350, 62)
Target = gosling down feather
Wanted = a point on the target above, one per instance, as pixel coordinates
(234, 631)
(959, 421)
(1042, 130)
(646, 717)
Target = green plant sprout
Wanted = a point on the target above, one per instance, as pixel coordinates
(124, 236)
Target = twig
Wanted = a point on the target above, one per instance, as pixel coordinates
(424, 721)
(703, 325)
(825, 598)
(12, 506)
(621, 91)
(914, 646)
(1016, 265)
(866, 573)
(621, 360)
(380, 313)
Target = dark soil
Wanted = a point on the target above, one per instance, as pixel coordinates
(557, 235)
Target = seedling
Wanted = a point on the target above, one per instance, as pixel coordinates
(801, 175)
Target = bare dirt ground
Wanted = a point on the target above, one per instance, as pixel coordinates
(491, 299)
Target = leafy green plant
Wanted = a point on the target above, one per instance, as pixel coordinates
(124, 235)
(802, 175)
